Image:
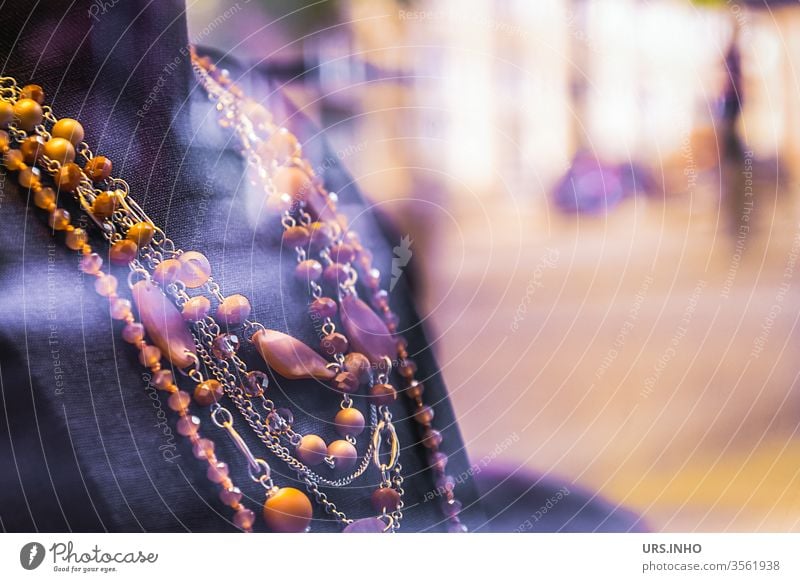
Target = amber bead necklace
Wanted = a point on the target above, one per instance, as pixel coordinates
(292, 188)
(129, 230)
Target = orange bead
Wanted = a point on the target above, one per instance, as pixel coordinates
(105, 204)
(60, 150)
(76, 238)
(123, 252)
(98, 168)
(141, 233)
(288, 510)
(344, 455)
(59, 219)
(69, 129)
(28, 114)
(34, 92)
(4, 140)
(167, 272)
(195, 269)
(68, 177)
(44, 198)
(284, 145)
(208, 392)
(312, 450)
(292, 181)
(31, 148)
(349, 422)
(6, 113)
(30, 178)
(13, 160)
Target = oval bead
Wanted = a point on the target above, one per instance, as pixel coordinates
(366, 331)
(233, 310)
(287, 511)
(290, 357)
(366, 525)
(164, 324)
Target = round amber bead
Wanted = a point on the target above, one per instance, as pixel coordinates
(288, 510)
(76, 238)
(69, 129)
(68, 177)
(34, 92)
(59, 219)
(349, 422)
(60, 150)
(141, 233)
(44, 198)
(312, 450)
(31, 148)
(196, 308)
(385, 499)
(28, 114)
(344, 455)
(123, 252)
(98, 168)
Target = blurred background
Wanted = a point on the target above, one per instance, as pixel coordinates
(602, 198)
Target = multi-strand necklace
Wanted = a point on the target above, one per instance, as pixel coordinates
(186, 320)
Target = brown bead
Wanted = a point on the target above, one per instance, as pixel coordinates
(31, 148)
(141, 233)
(312, 450)
(133, 333)
(76, 238)
(105, 204)
(34, 92)
(407, 368)
(30, 178)
(6, 113)
(321, 235)
(349, 422)
(60, 150)
(385, 499)
(335, 274)
(28, 114)
(334, 343)
(292, 181)
(44, 198)
(59, 219)
(432, 438)
(287, 511)
(208, 392)
(424, 415)
(179, 400)
(196, 308)
(167, 272)
(346, 382)
(68, 177)
(123, 252)
(98, 168)
(308, 270)
(415, 389)
(69, 129)
(382, 394)
(296, 236)
(344, 455)
(13, 160)
(323, 307)
(359, 365)
(149, 356)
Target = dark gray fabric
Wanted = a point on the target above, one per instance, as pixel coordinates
(82, 446)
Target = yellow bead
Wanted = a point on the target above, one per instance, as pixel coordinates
(30, 178)
(13, 160)
(287, 511)
(123, 252)
(141, 233)
(28, 114)
(105, 204)
(59, 219)
(44, 198)
(68, 129)
(76, 238)
(31, 148)
(34, 92)
(60, 150)
(6, 113)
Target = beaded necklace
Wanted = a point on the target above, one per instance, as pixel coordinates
(152, 258)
